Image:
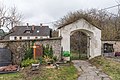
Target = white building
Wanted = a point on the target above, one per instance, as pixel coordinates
(92, 32)
(29, 32)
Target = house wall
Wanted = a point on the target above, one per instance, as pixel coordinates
(26, 37)
(18, 47)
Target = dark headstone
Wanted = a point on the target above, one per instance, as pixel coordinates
(5, 57)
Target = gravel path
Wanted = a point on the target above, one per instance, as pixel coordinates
(89, 72)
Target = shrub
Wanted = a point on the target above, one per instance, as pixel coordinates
(28, 54)
(28, 62)
(55, 58)
(47, 58)
(51, 52)
(41, 60)
(66, 53)
(48, 51)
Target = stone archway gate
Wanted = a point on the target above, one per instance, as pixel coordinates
(92, 32)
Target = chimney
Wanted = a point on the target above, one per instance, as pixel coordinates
(33, 27)
(40, 24)
(27, 25)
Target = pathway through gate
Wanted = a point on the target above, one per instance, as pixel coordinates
(89, 72)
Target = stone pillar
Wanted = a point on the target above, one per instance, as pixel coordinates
(88, 46)
(59, 34)
(65, 42)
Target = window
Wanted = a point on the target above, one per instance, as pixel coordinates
(41, 37)
(20, 38)
(28, 37)
(15, 38)
(36, 37)
(27, 31)
(38, 31)
(108, 48)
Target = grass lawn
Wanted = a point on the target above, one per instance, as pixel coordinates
(110, 67)
(77, 56)
(11, 76)
(64, 73)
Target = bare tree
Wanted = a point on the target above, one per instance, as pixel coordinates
(9, 17)
(3, 12)
(117, 20)
(108, 23)
(15, 17)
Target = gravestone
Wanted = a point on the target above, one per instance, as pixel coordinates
(5, 57)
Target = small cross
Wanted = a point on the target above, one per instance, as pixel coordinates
(34, 50)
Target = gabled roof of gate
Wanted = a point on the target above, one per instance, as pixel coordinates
(78, 20)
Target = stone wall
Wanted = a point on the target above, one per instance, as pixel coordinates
(116, 45)
(56, 46)
(19, 47)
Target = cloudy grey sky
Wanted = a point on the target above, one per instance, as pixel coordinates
(43, 11)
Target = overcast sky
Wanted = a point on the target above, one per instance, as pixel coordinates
(43, 11)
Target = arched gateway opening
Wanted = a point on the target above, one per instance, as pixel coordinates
(79, 45)
(92, 34)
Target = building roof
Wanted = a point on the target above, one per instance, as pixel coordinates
(21, 31)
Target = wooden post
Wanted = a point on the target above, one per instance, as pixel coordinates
(34, 51)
